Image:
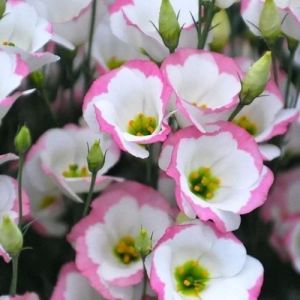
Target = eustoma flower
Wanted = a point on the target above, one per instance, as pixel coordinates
(129, 103)
(288, 11)
(71, 285)
(197, 262)
(206, 85)
(58, 159)
(219, 175)
(105, 246)
(134, 22)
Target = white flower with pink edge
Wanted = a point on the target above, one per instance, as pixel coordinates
(129, 103)
(71, 285)
(105, 240)
(196, 262)
(288, 10)
(206, 85)
(219, 175)
(134, 23)
(58, 159)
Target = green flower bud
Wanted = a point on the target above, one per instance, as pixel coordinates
(95, 157)
(2, 7)
(23, 140)
(37, 78)
(269, 21)
(221, 30)
(255, 81)
(11, 237)
(169, 28)
(143, 242)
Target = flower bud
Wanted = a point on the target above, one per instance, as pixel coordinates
(23, 140)
(256, 78)
(169, 28)
(221, 30)
(2, 7)
(95, 157)
(143, 242)
(37, 78)
(11, 237)
(269, 21)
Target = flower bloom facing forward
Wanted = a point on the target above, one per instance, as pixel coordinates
(206, 85)
(197, 262)
(71, 285)
(288, 11)
(129, 103)
(58, 159)
(105, 240)
(219, 175)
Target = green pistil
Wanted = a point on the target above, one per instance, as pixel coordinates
(126, 251)
(115, 63)
(203, 183)
(247, 124)
(191, 278)
(142, 125)
(74, 171)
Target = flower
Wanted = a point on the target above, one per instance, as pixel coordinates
(205, 266)
(129, 103)
(219, 175)
(58, 159)
(105, 240)
(288, 12)
(135, 23)
(71, 285)
(206, 85)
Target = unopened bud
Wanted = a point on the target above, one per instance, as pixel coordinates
(169, 28)
(11, 238)
(143, 242)
(269, 21)
(221, 30)
(256, 78)
(23, 140)
(2, 7)
(95, 157)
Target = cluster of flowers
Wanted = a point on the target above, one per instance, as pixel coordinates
(201, 110)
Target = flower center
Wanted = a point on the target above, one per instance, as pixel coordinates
(8, 43)
(126, 251)
(74, 171)
(142, 125)
(114, 63)
(46, 202)
(247, 124)
(203, 183)
(191, 278)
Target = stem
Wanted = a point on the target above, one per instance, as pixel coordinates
(289, 78)
(236, 111)
(14, 280)
(90, 194)
(144, 281)
(208, 20)
(274, 67)
(199, 22)
(90, 45)
(48, 105)
(19, 179)
(149, 164)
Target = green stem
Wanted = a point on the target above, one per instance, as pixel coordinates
(208, 19)
(45, 97)
(144, 291)
(90, 45)
(289, 78)
(90, 194)
(274, 67)
(14, 280)
(199, 31)
(149, 167)
(236, 111)
(19, 179)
